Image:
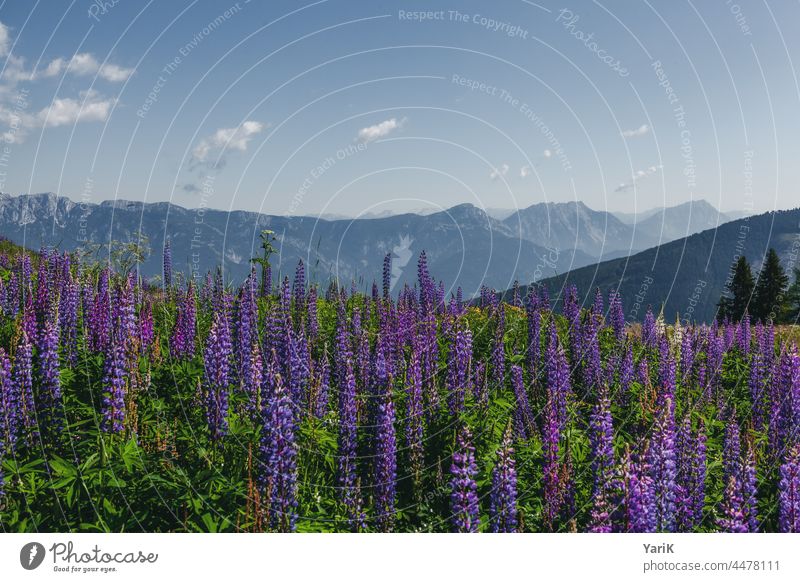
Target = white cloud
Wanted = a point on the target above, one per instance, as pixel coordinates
(547, 153)
(524, 172)
(638, 132)
(84, 65)
(498, 172)
(382, 129)
(231, 138)
(637, 176)
(69, 111)
(5, 40)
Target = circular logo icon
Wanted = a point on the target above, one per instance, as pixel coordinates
(31, 555)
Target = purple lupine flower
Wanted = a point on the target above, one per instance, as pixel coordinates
(590, 351)
(299, 367)
(113, 399)
(639, 505)
(480, 385)
(690, 475)
(464, 505)
(534, 318)
(458, 368)
(252, 378)
(321, 374)
(649, 332)
(182, 341)
(616, 315)
(299, 285)
(100, 315)
(756, 384)
(626, 375)
(10, 404)
(167, 264)
(414, 412)
(523, 416)
(68, 318)
(745, 333)
(503, 499)
(387, 275)
(731, 449)
(515, 297)
(661, 460)
(23, 381)
(217, 359)
(348, 448)
(49, 377)
(146, 325)
(498, 360)
(750, 490)
(551, 437)
(312, 317)
(558, 382)
(602, 445)
(385, 461)
(789, 496)
(732, 518)
(279, 457)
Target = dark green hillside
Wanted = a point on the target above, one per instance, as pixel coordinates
(688, 275)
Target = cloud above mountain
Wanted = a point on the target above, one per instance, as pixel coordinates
(214, 148)
(379, 130)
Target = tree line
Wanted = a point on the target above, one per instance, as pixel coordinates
(768, 297)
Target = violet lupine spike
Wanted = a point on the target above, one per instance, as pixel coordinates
(458, 369)
(346, 469)
(498, 347)
(415, 426)
(299, 285)
(661, 460)
(167, 264)
(639, 507)
(10, 404)
(789, 492)
(750, 490)
(217, 359)
(464, 507)
(666, 371)
(516, 301)
(50, 412)
(113, 391)
(23, 382)
(731, 449)
(590, 351)
(312, 317)
(732, 517)
(251, 380)
(552, 486)
(649, 332)
(480, 385)
(601, 438)
(279, 457)
(558, 381)
(503, 499)
(68, 319)
(385, 462)
(756, 384)
(182, 342)
(323, 396)
(616, 315)
(146, 325)
(387, 275)
(523, 416)
(534, 320)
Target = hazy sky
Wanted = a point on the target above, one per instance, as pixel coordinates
(344, 106)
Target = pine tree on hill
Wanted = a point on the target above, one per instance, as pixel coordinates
(770, 289)
(738, 292)
(792, 307)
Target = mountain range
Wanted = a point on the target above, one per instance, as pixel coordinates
(465, 246)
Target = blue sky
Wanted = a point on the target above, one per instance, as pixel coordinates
(349, 107)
